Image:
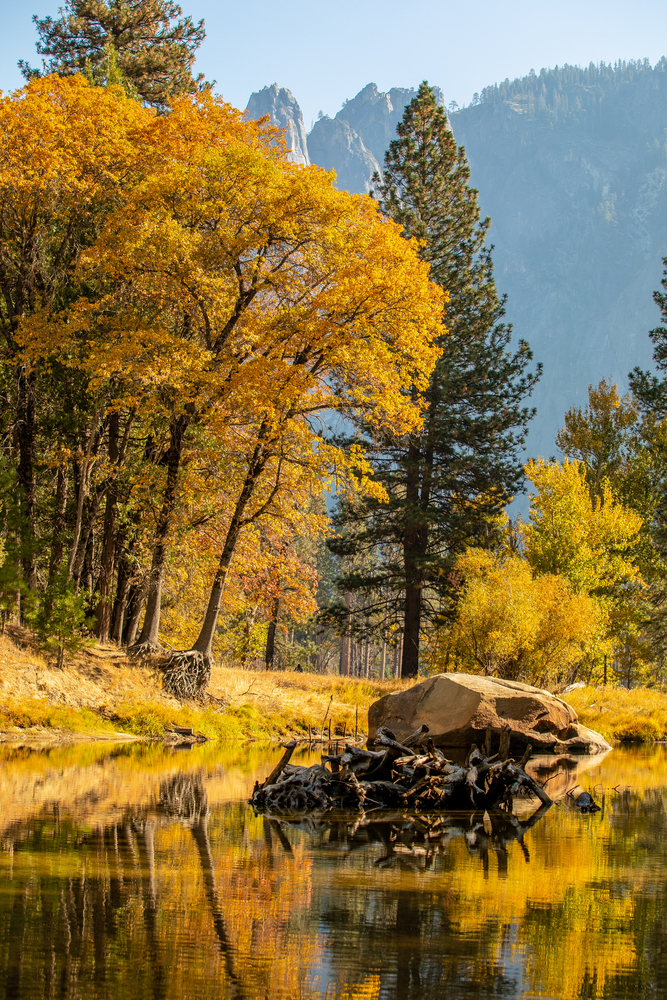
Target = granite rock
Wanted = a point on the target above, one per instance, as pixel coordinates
(457, 708)
(282, 108)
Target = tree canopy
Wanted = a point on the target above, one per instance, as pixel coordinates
(153, 44)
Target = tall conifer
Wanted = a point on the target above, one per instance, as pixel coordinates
(154, 46)
(445, 482)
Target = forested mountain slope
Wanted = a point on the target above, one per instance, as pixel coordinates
(571, 165)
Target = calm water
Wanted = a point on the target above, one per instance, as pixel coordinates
(141, 873)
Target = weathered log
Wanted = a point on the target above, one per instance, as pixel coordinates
(397, 776)
(415, 738)
(387, 739)
(281, 765)
(505, 737)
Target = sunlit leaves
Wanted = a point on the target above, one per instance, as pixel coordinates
(513, 625)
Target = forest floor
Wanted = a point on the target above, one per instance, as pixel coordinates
(101, 694)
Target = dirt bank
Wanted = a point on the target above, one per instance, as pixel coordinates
(103, 694)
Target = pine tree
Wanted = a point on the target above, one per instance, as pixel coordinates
(650, 390)
(154, 46)
(446, 482)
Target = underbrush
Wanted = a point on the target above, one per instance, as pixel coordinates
(619, 714)
(39, 712)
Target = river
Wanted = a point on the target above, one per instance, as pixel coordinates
(139, 872)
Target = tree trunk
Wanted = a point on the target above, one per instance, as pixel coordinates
(415, 539)
(256, 466)
(88, 570)
(107, 567)
(80, 567)
(345, 649)
(204, 641)
(57, 542)
(271, 635)
(126, 571)
(413, 545)
(135, 605)
(25, 432)
(151, 625)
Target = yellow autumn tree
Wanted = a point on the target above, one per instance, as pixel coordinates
(590, 544)
(233, 291)
(510, 624)
(67, 151)
(590, 541)
(600, 435)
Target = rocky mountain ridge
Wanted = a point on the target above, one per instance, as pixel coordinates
(571, 166)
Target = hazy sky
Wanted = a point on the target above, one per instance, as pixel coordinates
(326, 52)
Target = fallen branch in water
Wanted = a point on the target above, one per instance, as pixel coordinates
(396, 777)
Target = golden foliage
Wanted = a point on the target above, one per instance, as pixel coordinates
(515, 626)
(226, 288)
(591, 545)
(598, 436)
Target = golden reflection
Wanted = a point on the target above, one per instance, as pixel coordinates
(143, 872)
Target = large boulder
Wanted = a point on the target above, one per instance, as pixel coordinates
(458, 708)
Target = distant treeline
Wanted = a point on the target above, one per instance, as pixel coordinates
(571, 92)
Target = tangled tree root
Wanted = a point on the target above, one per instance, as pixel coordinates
(186, 674)
(145, 650)
(406, 775)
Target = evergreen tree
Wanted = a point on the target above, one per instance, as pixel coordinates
(650, 390)
(445, 483)
(154, 46)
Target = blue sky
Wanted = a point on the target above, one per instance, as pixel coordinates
(326, 53)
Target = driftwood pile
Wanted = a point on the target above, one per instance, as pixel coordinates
(414, 776)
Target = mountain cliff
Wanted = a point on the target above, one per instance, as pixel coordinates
(279, 104)
(571, 166)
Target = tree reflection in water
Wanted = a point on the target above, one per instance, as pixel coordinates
(178, 897)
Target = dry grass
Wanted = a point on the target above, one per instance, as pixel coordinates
(102, 694)
(619, 714)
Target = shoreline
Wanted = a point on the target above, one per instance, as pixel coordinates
(102, 695)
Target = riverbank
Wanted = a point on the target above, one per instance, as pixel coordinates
(637, 715)
(103, 694)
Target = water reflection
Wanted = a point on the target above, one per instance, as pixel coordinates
(143, 873)
(412, 841)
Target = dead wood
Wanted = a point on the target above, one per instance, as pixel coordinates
(281, 765)
(421, 780)
(415, 738)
